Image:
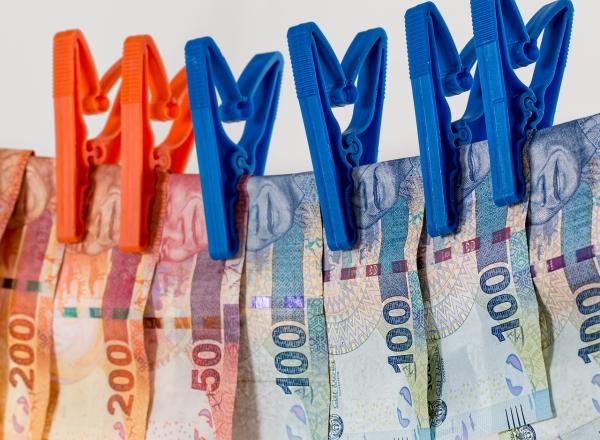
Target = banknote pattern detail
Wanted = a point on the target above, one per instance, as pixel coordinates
(98, 331)
(564, 236)
(283, 389)
(486, 369)
(374, 311)
(31, 260)
(192, 322)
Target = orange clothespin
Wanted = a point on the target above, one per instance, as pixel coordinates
(77, 91)
(143, 72)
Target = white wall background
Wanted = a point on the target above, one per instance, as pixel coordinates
(242, 28)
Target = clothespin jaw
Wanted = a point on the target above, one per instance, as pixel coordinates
(77, 91)
(436, 72)
(253, 99)
(106, 146)
(143, 72)
(555, 20)
(173, 153)
(322, 83)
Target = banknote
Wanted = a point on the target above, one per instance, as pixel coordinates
(564, 239)
(192, 322)
(283, 381)
(12, 171)
(12, 164)
(486, 368)
(100, 385)
(30, 259)
(374, 311)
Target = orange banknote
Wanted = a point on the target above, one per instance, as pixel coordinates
(100, 381)
(30, 259)
(192, 322)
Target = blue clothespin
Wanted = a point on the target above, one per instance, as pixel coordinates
(253, 98)
(512, 108)
(322, 83)
(436, 72)
(555, 20)
(523, 51)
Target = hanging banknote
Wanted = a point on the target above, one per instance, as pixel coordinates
(30, 262)
(283, 380)
(486, 368)
(12, 166)
(374, 311)
(100, 385)
(12, 171)
(564, 238)
(192, 322)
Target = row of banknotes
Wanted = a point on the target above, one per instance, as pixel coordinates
(493, 332)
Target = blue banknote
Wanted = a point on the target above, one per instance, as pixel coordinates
(374, 311)
(486, 368)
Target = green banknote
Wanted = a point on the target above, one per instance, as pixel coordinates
(564, 241)
(486, 368)
(283, 381)
(374, 311)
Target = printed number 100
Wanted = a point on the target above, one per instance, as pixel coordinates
(290, 362)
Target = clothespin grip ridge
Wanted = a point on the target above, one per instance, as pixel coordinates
(523, 51)
(555, 20)
(253, 99)
(322, 83)
(77, 91)
(436, 72)
(143, 74)
(511, 108)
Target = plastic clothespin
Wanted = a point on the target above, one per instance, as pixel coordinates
(174, 152)
(436, 72)
(511, 108)
(143, 72)
(78, 91)
(522, 51)
(555, 20)
(253, 98)
(322, 83)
